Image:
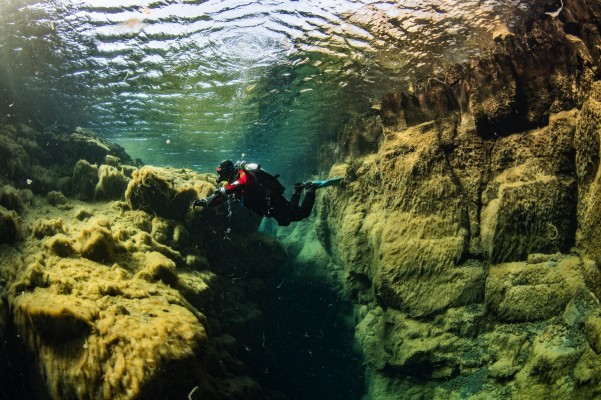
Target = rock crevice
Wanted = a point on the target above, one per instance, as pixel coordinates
(469, 235)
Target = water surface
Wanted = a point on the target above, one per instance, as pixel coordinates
(188, 83)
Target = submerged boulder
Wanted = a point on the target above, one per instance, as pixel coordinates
(158, 267)
(84, 180)
(535, 290)
(47, 227)
(11, 199)
(40, 160)
(96, 241)
(111, 183)
(167, 192)
(56, 198)
(10, 226)
(124, 335)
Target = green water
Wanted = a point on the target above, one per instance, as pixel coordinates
(188, 83)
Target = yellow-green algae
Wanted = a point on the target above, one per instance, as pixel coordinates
(477, 274)
(117, 301)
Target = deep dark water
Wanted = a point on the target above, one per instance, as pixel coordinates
(16, 370)
(309, 334)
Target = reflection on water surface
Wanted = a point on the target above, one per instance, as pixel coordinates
(187, 83)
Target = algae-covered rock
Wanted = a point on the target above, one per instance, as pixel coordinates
(553, 350)
(420, 227)
(469, 230)
(123, 344)
(56, 198)
(55, 319)
(588, 152)
(10, 198)
(61, 245)
(159, 268)
(167, 192)
(529, 201)
(10, 226)
(15, 162)
(537, 291)
(103, 297)
(85, 178)
(96, 242)
(531, 213)
(169, 232)
(111, 183)
(47, 227)
(83, 214)
(40, 160)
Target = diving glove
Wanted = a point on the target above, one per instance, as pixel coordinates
(200, 203)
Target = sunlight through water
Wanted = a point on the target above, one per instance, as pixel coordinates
(188, 83)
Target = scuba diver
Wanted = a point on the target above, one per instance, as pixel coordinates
(262, 193)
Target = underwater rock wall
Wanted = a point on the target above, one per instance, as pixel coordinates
(468, 223)
(114, 288)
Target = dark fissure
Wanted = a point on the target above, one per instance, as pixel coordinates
(310, 336)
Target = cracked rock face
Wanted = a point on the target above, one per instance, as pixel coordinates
(469, 234)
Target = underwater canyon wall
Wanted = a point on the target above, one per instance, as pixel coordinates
(468, 224)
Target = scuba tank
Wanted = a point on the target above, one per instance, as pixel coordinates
(269, 183)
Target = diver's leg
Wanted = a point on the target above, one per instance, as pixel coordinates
(308, 201)
(281, 210)
(298, 188)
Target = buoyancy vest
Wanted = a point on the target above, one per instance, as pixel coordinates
(269, 183)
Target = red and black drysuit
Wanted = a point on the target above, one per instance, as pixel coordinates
(248, 190)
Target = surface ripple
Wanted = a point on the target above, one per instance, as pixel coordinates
(187, 83)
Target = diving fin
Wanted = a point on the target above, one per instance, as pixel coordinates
(326, 183)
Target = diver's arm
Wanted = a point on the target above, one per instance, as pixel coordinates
(222, 192)
(241, 181)
(215, 199)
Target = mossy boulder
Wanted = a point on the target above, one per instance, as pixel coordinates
(47, 227)
(84, 180)
(56, 198)
(534, 291)
(11, 199)
(158, 267)
(61, 245)
(40, 160)
(167, 192)
(126, 335)
(10, 226)
(96, 242)
(111, 183)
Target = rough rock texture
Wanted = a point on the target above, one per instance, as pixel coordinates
(117, 302)
(470, 234)
(167, 192)
(44, 161)
(517, 85)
